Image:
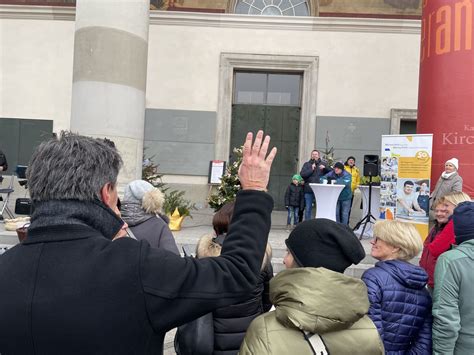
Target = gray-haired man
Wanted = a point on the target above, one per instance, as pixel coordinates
(68, 289)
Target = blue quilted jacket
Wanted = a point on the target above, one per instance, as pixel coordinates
(400, 306)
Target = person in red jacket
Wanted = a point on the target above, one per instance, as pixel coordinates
(444, 239)
(427, 260)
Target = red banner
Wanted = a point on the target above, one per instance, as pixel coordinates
(446, 92)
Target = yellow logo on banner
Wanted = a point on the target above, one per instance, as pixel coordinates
(422, 155)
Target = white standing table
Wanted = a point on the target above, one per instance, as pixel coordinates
(374, 208)
(326, 199)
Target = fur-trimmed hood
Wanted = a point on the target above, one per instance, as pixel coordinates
(134, 212)
(208, 247)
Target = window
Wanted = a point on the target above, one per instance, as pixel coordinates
(267, 88)
(273, 7)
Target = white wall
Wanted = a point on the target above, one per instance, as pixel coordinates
(36, 70)
(361, 74)
(366, 67)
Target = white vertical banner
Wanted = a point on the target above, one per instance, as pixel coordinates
(405, 174)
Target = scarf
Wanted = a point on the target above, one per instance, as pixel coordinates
(446, 175)
(94, 214)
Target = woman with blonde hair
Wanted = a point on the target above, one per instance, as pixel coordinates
(427, 259)
(446, 238)
(400, 305)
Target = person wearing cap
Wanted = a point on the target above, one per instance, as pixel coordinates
(449, 181)
(311, 172)
(318, 309)
(141, 209)
(294, 200)
(400, 304)
(341, 177)
(453, 308)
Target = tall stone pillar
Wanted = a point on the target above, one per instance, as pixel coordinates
(109, 76)
(446, 92)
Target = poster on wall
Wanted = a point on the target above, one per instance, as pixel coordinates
(405, 174)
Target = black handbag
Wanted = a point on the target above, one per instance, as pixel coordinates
(23, 206)
(195, 337)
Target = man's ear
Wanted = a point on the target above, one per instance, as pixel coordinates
(105, 194)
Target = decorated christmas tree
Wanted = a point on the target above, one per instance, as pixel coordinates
(230, 184)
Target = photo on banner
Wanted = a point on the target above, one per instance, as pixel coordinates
(405, 173)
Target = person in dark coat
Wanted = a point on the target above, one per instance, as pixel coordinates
(294, 200)
(3, 162)
(141, 209)
(231, 322)
(69, 289)
(341, 177)
(400, 305)
(311, 172)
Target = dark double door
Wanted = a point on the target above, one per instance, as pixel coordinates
(282, 124)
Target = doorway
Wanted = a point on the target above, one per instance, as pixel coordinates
(270, 101)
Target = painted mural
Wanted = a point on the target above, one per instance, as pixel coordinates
(357, 8)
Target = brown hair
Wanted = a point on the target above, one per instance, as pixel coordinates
(222, 218)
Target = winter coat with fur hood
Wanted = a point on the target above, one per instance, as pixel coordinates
(147, 223)
(231, 322)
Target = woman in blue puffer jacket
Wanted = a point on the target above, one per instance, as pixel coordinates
(400, 305)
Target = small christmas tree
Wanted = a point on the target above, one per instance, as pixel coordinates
(328, 152)
(150, 173)
(230, 183)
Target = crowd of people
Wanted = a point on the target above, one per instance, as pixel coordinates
(100, 275)
(299, 196)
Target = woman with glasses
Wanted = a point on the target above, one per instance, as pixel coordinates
(400, 305)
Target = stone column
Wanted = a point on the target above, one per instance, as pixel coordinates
(109, 76)
(446, 104)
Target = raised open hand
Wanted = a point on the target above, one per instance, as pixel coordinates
(254, 171)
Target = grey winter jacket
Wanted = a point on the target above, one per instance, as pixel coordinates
(150, 227)
(445, 186)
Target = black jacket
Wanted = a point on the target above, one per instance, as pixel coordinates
(231, 322)
(68, 289)
(311, 176)
(3, 161)
(294, 196)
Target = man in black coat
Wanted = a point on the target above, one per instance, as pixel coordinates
(69, 289)
(311, 173)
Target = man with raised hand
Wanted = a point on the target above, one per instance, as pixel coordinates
(69, 289)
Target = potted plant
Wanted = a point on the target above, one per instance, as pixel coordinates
(176, 207)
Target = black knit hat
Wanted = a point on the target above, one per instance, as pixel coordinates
(339, 165)
(463, 220)
(349, 158)
(324, 243)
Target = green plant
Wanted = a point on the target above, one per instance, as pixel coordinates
(328, 152)
(175, 200)
(150, 173)
(230, 183)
